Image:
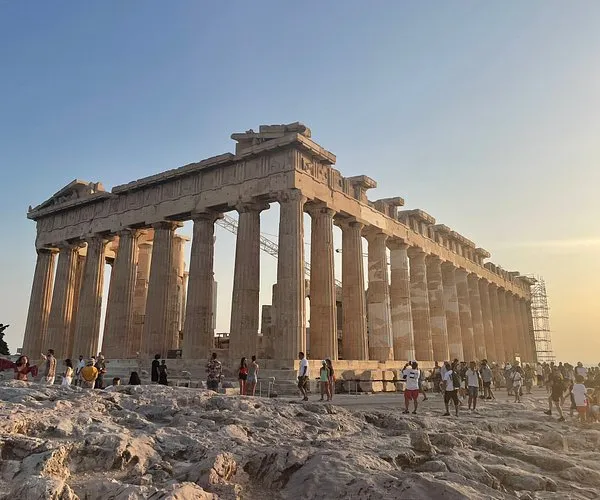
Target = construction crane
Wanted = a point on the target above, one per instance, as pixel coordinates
(266, 245)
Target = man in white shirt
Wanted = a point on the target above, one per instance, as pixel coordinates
(473, 378)
(451, 383)
(581, 370)
(411, 375)
(78, 368)
(303, 375)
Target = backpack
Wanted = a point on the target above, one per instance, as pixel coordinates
(455, 379)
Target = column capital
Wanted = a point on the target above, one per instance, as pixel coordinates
(290, 195)
(461, 271)
(345, 223)
(70, 245)
(448, 266)
(253, 205)
(314, 209)
(167, 224)
(397, 244)
(50, 250)
(373, 233)
(417, 253)
(433, 259)
(207, 215)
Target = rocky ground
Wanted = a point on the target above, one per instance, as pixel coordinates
(156, 442)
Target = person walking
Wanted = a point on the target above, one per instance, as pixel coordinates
(303, 374)
(411, 375)
(331, 378)
(101, 367)
(473, 379)
(451, 383)
(486, 376)
(252, 377)
(243, 376)
(517, 382)
(67, 379)
(214, 372)
(324, 380)
(78, 368)
(557, 385)
(50, 369)
(163, 373)
(154, 369)
(579, 392)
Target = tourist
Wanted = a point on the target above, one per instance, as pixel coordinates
(411, 375)
(528, 374)
(436, 377)
(508, 370)
(486, 376)
(461, 370)
(579, 392)
(162, 373)
(581, 370)
(134, 379)
(331, 378)
(78, 368)
(89, 374)
(421, 378)
(214, 373)
(23, 369)
(50, 370)
(473, 379)
(303, 373)
(594, 405)
(517, 382)
(154, 369)
(252, 377)
(116, 382)
(243, 376)
(324, 380)
(67, 379)
(451, 383)
(557, 385)
(101, 367)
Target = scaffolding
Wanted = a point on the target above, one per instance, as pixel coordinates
(541, 320)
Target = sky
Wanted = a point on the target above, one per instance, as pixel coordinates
(484, 114)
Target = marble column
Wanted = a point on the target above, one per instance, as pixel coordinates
(380, 340)
(530, 328)
(464, 311)
(523, 330)
(36, 327)
(140, 295)
(198, 330)
(477, 317)
(488, 323)
(498, 323)
(61, 310)
(117, 341)
(519, 331)
(507, 332)
(245, 305)
(156, 325)
(290, 337)
(437, 310)
(455, 345)
(175, 286)
(87, 317)
(419, 302)
(323, 312)
(354, 310)
(402, 320)
(510, 311)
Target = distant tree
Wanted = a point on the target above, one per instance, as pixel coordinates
(3, 345)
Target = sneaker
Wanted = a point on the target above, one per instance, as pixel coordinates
(548, 412)
(446, 414)
(405, 412)
(305, 398)
(414, 412)
(561, 419)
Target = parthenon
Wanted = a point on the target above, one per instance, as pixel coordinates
(438, 300)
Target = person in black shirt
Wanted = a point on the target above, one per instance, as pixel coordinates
(155, 365)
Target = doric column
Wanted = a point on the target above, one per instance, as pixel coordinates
(87, 317)
(477, 317)
(291, 309)
(381, 343)
(175, 287)
(523, 330)
(530, 328)
(79, 268)
(464, 311)
(498, 323)
(487, 319)
(507, 331)
(118, 341)
(354, 310)
(518, 324)
(419, 302)
(437, 311)
(323, 313)
(198, 330)
(455, 345)
(61, 311)
(140, 295)
(245, 306)
(36, 328)
(402, 320)
(156, 326)
(510, 311)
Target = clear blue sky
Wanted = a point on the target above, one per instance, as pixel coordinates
(486, 115)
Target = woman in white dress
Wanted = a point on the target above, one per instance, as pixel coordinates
(68, 375)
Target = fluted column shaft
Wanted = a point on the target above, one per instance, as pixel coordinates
(198, 330)
(245, 306)
(530, 328)
(354, 309)
(519, 330)
(419, 302)
(464, 311)
(323, 312)
(156, 326)
(494, 292)
(523, 330)
(477, 317)
(510, 311)
(402, 320)
(507, 331)
(175, 287)
(87, 320)
(455, 345)
(488, 323)
(140, 295)
(61, 310)
(117, 341)
(36, 328)
(437, 311)
(381, 343)
(290, 337)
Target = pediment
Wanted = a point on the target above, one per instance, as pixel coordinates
(75, 190)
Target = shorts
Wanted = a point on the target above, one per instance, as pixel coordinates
(411, 394)
(302, 382)
(555, 396)
(243, 376)
(582, 410)
(212, 385)
(252, 379)
(451, 395)
(487, 384)
(473, 391)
